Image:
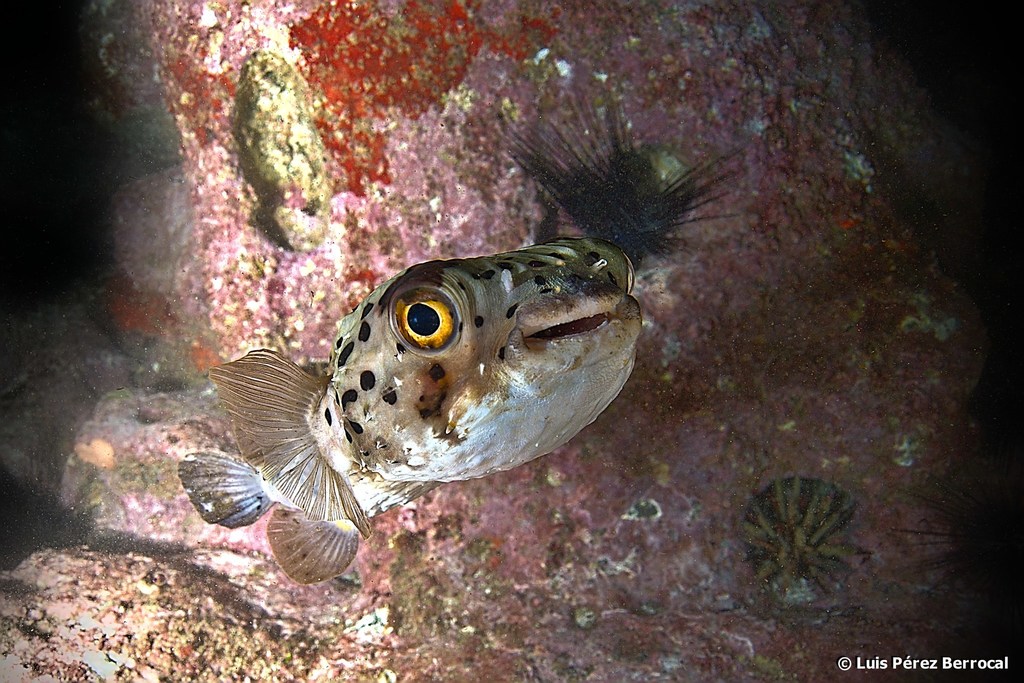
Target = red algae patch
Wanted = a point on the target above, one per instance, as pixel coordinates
(364, 64)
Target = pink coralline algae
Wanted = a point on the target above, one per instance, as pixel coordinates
(802, 330)
(439, 107)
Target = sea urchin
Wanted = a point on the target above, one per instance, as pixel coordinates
(979, 538)
(790, 528)
(634, 195)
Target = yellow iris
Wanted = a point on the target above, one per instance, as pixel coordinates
(425, 322)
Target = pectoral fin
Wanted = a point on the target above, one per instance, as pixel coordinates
(272, 402)
(224, 490)
(311, 551)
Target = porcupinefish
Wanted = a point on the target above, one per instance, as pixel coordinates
(448, 371)
(453, 369)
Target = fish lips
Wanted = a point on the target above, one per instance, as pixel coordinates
(568, 315)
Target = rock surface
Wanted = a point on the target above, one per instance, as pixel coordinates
(805, 330)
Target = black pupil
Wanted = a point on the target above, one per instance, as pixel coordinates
(423, 320)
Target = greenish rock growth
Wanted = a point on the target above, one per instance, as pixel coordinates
(280, 151)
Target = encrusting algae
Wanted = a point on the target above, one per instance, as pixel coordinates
(280, 151)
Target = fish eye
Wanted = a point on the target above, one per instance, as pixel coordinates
(426, 319)
(423, 319)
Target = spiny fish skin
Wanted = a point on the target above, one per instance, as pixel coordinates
(498, 384)
(448, 371)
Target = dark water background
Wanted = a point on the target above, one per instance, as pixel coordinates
(58, 170)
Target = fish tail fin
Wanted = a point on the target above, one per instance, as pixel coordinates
(311, 551)
(224, 490)
(273, 406)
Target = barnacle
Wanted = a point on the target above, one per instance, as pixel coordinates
(790, 530)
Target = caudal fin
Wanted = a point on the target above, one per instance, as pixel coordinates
(224, 490)
(271, 402)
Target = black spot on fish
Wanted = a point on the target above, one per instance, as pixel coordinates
(436, 372)
(593, 257)
(505, 265)
(356, 427)
(434, 409)
(536, 264)
(501, 353)
(338, 343)
(348, 436)
(546, 290)
(390, 397)
(487, 274)
(345, 353)
(461, 286)
(348, 397)
(366, 311)
(511, 311)
(478, 321)
(327, 416)
(364, 331)
(614, 280)
(400, 349)
(540, 281)
(367, 380)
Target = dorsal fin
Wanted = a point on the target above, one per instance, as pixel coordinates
(271, 402)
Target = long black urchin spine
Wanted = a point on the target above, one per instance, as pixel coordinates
(611, 187)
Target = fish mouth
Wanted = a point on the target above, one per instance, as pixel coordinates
(577, 326)
(554, 319)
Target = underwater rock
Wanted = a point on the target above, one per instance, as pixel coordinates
(134, 489)
(803, 330)
(43, 400)
(416, 113)
(280, 151)
(79, 614)
(152, 222)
